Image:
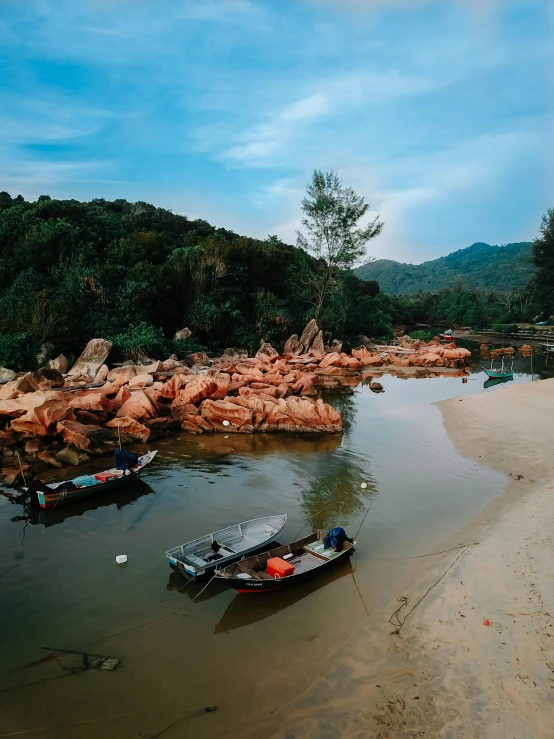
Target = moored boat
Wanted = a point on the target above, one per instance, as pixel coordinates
(306, 557)
(55, 494)
(201, 556)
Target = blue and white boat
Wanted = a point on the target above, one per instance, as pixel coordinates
(202, 556)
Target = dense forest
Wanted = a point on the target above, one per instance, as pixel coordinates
(479, 265)
(134, 273)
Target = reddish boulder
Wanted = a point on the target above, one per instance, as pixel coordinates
(131, 427)
(317, 348)
(138, 406)
(141, 381)
(122, 396)
(102, 374)
(308, 335)
(180, 411)
(173, 386)
(198, 359)
(350, 363)
(92, 401)
(123, 375)
(218, 411)
(223, 381)
(293, 345)
(46, 379)
(197, 390)
(83, 437)
(266, 353)
(330, 360)
(61, 364)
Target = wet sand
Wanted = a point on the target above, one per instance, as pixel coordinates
(448, 673)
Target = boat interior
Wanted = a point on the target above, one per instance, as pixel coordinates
(305, 554)
(229, 542)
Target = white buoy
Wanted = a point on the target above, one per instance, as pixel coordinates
(226, 436)
(363, 485)
(226, 423)
(121, 559)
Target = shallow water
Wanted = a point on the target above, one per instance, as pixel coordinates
(248, 655)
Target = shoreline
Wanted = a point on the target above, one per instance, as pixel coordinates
(449, 673)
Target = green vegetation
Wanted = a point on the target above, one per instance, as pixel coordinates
(332, 213)
(421, 335)
(134, 273)
(483, 266)
(543, 258)
(18, 352)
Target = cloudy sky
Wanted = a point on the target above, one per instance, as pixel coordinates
(439, 112)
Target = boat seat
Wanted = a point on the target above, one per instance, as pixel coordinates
(194, 560)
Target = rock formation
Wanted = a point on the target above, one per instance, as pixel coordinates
(95, 354)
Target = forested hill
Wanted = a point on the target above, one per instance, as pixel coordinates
(479, 265)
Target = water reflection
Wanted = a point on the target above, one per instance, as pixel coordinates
(492, 381)
(245, 610)
(333, 494)
(35, 515)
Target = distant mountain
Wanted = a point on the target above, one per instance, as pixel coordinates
(479, 265)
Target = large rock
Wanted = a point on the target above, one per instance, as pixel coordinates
(92, 401)
(71, 455)
(6, 374)
(39, 419)
(130, 427)
(85, 437)
(317, 348)
(48, 457)
(123, 375)
(102, 374)
(141, 381)
(336, 346)
(175, 384)
(293, 345)
(47, 378)
(61, 364)
(184, 333)
(330, 360)
(237, 418)
(308, 335)
(223, 381)
(197, 359)
(94, 356)
(138, 406)
(197, 390)
(266, 352)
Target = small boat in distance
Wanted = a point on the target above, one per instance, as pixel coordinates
(55, 494)
(500, 373)
(308, 556)
(203, 555)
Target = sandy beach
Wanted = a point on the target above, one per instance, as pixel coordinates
(475, 659)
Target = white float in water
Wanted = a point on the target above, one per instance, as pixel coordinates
(363, 485)
(121, 559)
(226, 423)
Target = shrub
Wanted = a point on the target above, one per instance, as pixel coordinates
(421, 335)
(18, 352)
(505, 328)
(143, 339)
(183, 347)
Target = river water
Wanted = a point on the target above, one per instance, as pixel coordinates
(247, 655)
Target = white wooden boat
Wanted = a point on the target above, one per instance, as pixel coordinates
(203, 555)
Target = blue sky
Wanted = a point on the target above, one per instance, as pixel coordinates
(439, 112)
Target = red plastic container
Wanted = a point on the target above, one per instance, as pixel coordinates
(277, 567)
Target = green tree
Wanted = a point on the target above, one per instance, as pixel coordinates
(543, 259)
(332, 213)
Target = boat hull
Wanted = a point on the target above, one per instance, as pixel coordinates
(188, 570)
(499, 375)
(55, 499)
(267, 586)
